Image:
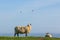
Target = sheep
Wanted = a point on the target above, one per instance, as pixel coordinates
(48, 35)
(22, 30)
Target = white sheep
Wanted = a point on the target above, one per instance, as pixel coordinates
(48, 35)
(22, 30)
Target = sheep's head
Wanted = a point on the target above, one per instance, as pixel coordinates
(28, 27)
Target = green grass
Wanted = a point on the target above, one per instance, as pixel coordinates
(27, 38)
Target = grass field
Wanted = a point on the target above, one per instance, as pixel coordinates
(27, 38)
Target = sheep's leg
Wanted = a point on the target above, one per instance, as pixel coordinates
(26, 34)
(15, 34)
(18, 34)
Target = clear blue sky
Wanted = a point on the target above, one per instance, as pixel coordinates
(44, 18)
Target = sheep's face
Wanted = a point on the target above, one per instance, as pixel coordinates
(29, 27)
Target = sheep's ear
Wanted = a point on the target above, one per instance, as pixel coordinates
(27, 25)
(30, 24)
